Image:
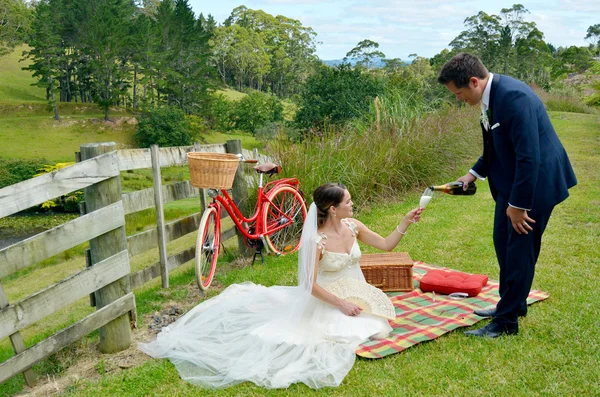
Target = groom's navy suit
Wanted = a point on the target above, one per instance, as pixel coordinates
(528, 168)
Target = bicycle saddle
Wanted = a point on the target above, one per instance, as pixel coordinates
(268, 168)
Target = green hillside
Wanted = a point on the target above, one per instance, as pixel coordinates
(15, 84)
(28, 130)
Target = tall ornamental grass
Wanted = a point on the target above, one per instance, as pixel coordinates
(564, 98)
(398, 146)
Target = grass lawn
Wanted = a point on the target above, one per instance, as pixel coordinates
(232, 95)
(15, 84)
(42, 137)
(556, 352)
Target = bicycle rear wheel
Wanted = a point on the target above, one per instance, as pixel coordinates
(283, 218)
(207, 248)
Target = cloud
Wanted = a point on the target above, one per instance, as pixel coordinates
(420, 26)
(581, 6)
(563, 28)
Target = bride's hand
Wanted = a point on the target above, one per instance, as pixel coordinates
(413, 216)
(349, 308)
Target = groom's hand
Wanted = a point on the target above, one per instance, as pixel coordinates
(466, 179)
(520, 220)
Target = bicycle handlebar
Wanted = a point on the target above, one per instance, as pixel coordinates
(247, 161)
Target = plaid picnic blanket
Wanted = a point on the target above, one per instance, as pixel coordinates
(422, 316)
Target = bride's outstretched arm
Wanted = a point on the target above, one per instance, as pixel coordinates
(373, 239)
(348, 308)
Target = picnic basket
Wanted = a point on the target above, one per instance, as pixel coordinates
(212, 170)
(390, 272)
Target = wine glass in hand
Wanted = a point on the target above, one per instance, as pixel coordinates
(426, 198)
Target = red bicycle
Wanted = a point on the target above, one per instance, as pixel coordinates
(275, 225)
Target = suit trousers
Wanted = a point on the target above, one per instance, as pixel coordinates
(517, 255)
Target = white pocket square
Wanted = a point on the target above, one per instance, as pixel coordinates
(495, 126)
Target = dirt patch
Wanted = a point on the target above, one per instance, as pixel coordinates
(584, 81)
(85, 362)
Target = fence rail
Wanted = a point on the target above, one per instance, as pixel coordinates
(18, 197)
(107, 277)
(22, 362)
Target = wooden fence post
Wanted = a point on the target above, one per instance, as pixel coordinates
(116, 335)
(17, 343)
(160, 215)
(239, 192)
(204, 199)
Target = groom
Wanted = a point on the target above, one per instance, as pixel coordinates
(528, 172)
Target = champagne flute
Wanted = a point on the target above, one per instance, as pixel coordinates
(426, 198)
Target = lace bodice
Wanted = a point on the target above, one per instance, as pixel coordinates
(338, 261)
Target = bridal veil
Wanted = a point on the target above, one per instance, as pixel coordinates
(268, 336)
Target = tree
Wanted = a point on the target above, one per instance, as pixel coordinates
(15, 19)
(336, 95)
(256, 109)
(533, 58)
(104, 35)
(241, 51)
(440, 59)
(144, 43)
(392, 65)
(47, 53)
(480, 38)
(287, 46)
(501, 41)
(163, 126)
(593, 35)
(572, 60)
(365, 53)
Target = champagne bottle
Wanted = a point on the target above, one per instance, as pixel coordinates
(456, 189)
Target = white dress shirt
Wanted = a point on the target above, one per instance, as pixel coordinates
(485, 105)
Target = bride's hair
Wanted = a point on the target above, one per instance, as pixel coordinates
(325, 196)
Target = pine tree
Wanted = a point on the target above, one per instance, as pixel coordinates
(104, 36)
(47, 53)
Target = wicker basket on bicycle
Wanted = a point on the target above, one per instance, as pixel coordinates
(212, 170)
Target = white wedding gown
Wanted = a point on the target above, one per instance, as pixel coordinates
(270, 336)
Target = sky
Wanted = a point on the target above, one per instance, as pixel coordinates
(422, 27)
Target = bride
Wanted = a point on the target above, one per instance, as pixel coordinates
(281, 335)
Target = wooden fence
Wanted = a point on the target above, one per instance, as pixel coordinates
(107, 277)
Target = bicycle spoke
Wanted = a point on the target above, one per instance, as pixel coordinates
(284, 218)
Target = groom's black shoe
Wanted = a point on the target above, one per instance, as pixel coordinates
(492, 312)
(493, 330)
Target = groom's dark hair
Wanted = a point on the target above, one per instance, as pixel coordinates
(460, 69)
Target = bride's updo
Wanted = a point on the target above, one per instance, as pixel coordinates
(325, 196)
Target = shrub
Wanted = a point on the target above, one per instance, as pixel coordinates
(15, 171)
(218, 113)
(565, 98)
(271, 130)
(163, 126)
(593, 100)
(198, 127)
(255, 110)
(336, 95)
(67, 203)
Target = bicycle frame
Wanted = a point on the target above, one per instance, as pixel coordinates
(238, 218)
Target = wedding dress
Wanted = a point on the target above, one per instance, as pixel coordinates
(272, 336)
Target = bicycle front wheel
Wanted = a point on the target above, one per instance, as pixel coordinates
(207, 248)
(283, 217)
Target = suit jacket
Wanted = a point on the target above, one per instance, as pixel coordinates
(523, 158)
